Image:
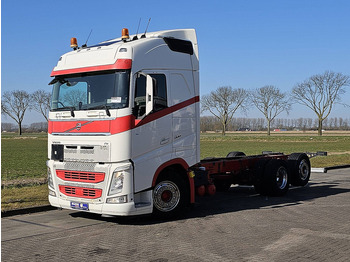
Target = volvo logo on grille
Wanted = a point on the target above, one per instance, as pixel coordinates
(78, 126)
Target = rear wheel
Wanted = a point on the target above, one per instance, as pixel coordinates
(299, 169)
(170, 196)
(275, 180)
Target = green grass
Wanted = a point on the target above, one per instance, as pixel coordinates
(28, 196)
(13, 135)
(23, 163)
(332, 160)
(23, 158)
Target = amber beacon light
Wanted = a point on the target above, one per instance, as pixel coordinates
(73, 43)
(125, 34)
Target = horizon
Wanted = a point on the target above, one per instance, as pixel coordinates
(273, 122)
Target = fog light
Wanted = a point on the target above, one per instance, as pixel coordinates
(52, 193)
(117, 200)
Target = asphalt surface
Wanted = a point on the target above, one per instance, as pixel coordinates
(308, 224)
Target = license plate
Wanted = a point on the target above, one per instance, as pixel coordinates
(80, 206)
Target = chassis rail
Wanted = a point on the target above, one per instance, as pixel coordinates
(237, 168)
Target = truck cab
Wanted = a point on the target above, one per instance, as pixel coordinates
(124, 125)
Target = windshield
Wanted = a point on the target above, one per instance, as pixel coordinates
(91, 91)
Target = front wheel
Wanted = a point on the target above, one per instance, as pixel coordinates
(170, 196)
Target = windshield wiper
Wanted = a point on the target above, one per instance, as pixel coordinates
(71, 108)
(102, 107)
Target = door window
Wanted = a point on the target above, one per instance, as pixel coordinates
(159, 94)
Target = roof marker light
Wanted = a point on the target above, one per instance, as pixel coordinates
(125, 34)
(74, 43)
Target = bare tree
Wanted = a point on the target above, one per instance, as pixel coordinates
(14, 104)
(223, 103)
(270, 101)
(74, 97)
(41, 102)
(320, 93)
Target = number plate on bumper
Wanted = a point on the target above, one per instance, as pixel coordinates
(80, 206)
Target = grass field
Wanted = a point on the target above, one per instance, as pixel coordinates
(23, 157)
(23, 168)
(26, 196)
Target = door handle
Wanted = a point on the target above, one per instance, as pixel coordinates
(164, 140)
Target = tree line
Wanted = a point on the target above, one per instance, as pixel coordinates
(318, 93)
(31, 128)
(211, 123)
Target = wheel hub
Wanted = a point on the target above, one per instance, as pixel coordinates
(282, 178)
(166, 196)
(303, 170)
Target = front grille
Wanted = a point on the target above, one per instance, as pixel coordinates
(80, 191)
(80, 176)
(79, 166)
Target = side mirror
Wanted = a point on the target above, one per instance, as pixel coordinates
(149, 94)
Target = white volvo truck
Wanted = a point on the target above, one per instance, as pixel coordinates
(123, 134)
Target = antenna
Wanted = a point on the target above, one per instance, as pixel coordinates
(135, 37)
(144, 35)
(85, 45)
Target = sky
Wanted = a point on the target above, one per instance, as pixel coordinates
(242, 43)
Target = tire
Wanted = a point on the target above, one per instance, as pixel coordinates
(276, 179)
(299, 168)
(235, 153)
(170, 196)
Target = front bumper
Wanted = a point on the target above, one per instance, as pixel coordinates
(124, 209)
(136, 204)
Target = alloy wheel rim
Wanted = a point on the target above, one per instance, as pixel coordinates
(282, 177)
(166, 196)
(303, 170)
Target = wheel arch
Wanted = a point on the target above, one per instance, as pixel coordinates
(181, 167)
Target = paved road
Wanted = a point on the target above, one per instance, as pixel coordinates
(308, 224)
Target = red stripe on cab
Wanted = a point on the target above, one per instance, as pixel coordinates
(119, 64)
(119, 125)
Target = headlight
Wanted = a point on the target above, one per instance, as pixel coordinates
(49, 178)
(118, 177)
(116, 183)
